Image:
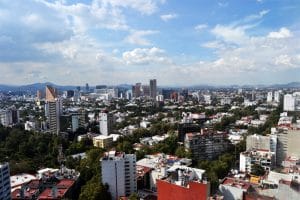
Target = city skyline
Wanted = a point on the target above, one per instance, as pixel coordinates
(112, 42)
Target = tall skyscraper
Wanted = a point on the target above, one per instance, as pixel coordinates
(4, 182)
(53, 110)
(105, 122)
(87, 87)
(53, 114)
(119, 172)
(153, 88)
(51, 93)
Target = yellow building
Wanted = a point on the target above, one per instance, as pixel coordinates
(103, 141)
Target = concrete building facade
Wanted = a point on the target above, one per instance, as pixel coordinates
(153, 88)
(289, 102)
(105, 122)
(4, 182)
(119, 172)
(206, 144)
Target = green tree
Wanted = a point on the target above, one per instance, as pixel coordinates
(181, 152)
(94, 190)
(257, 170)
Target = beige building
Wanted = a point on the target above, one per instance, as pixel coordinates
(103, 141)
(288, 144)
(51, 93)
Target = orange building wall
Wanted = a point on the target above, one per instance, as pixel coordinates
(169, 191)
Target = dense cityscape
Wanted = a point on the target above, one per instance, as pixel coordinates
(147, 142)
(149, 100)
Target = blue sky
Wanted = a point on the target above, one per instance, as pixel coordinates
(217, 42)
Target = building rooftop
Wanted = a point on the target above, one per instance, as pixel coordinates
(20, 179)
(58, 191)
(160, 160)
(237, 183)
(27, 191)
(102, 137)
(184, 174)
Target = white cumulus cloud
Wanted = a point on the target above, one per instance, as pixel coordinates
(138, 37)
(282, 33)
(168, 17)
(145, 56)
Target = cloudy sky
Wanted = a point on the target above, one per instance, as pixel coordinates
(126, 41)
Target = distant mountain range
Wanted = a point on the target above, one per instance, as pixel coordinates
(32, 88)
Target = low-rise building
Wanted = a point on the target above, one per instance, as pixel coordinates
(234, 189)
(159, 164)
(183, 183)
(263, 158)
(103, 141)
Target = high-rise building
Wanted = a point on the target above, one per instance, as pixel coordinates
(128, 94)
(288, 145)
(137, 90)
(53, 109)
(270, 97)
(289, 102)
(106, 122)
(153, 88)
(9, 116)
(4, 182)
(119, 173)
(5, 117)
(78, 120)
(51, 93)
(15, 115)
(277, 96)
(207, 144)
(87, 87)
(146, 90)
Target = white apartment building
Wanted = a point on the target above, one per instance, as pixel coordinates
(289, 102)
(277, 96)
(105, 122)
(260, 150)
(4, 182)
(264, 158)
(119, 172)
(270, 97)
(160, 98)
